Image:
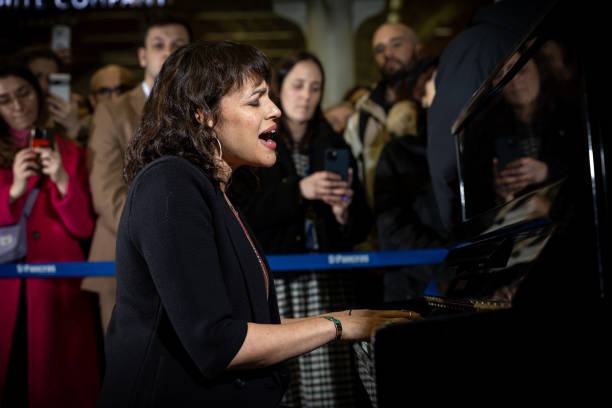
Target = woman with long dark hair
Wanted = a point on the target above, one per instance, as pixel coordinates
(48, 346)
(313, 210)
(196, 320)
(531, 149)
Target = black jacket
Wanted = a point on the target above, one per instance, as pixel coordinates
(187, 284)
(277, 211)
(406, 215)
(404, 204)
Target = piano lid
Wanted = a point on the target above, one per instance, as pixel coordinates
(532, 172)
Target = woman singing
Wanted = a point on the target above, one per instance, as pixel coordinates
(314, 211)
(196, 320)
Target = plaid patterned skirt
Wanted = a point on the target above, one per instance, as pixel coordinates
(325, 377)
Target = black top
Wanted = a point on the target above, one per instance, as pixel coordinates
(188, 282)
(406, 217)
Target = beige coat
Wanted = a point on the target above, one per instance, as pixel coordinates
(375, 137)
(367, 152)
(113, 126)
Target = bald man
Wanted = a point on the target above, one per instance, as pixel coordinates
(396, 49)
(108, 83)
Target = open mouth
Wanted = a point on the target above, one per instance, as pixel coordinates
(266, 137)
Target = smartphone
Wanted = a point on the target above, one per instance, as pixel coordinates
(59, 85)
(60, 37)
(507, 150)
(337, 161)
(40, 137)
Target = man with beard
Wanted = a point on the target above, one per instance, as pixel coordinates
(396, 49)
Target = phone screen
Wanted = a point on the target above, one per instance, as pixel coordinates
(507, 150)
(60, 37)
(41, 138)
(337, 161)
(59, 85)
(41, 143)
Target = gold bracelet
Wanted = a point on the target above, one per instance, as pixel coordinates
(337, 324)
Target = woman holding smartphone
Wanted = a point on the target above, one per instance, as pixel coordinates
(48, 349)
(301, 207)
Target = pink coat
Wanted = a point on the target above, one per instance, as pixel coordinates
(62, 350)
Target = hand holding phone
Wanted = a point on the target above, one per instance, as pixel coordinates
(63, 105)
(333, 185)
(40, 138)
(48, 158)
(23, 168)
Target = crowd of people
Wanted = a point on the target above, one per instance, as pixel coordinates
(190, 177)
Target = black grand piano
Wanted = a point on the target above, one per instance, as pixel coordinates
(526, 313)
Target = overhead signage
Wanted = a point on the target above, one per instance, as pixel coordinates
(78, 4)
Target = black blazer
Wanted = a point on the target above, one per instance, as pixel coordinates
(187, 284)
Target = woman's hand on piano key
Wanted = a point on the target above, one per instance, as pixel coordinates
(362, 323)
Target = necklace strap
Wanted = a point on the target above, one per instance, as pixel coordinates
(262, 265)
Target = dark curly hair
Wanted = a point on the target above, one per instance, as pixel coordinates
(195, 77)
(7, 149)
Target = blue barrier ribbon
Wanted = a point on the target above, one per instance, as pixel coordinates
(344, 260)
(278, 263)
(57, 270)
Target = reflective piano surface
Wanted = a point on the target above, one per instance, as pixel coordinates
(500, 326)
(527, 309)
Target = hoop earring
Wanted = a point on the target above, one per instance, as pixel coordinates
(220, 149)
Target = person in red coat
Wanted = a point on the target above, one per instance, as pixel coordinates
(48, 347)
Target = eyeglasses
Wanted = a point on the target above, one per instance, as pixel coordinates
(106, 92)
(22, 94)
